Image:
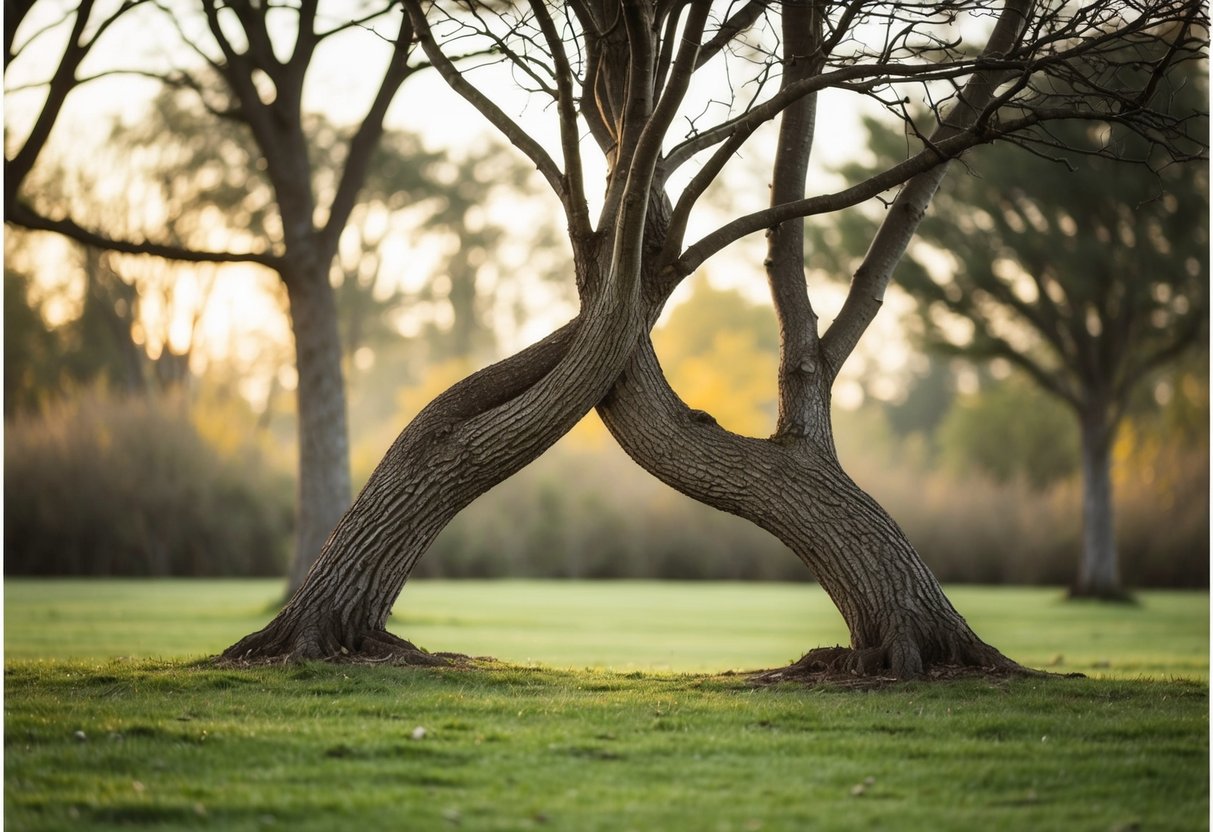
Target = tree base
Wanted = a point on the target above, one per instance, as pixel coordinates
(874, 667)
(374, 647)
(1112, 595)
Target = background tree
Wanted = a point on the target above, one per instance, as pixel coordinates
(1086, 273)
(87, 27)
(621, 73)
(249, 68)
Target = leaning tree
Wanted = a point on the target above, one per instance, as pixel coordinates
(625, 74)
(1085, 273)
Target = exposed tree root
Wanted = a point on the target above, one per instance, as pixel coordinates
(872, 668)
(375, 647)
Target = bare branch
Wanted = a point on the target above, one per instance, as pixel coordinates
(62, 82)
(13, 15)
(628, 251)
(495, 115)
(307, 39)
(26, 217)
(924, 160)
(356, 23)
(362, 145)
(871, 279)
(185, 40)
(575, 203)
(738, 22)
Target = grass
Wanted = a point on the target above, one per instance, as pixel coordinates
(166, 744)
(623, 625)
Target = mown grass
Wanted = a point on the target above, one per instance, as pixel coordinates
(169, 744)
(623, 625)
(331, 747)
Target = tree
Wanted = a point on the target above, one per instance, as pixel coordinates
(250, 71)
(1085, 273)
(622, 71)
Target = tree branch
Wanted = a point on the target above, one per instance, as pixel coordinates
(362, 145)
(495, 115)
(798, 341)
(872, 278)
(642, 162)
(996, 347)
(924, 160)
(1184, 338)
(62, 82)
(575, 205)
(24, 216)
(742, 19)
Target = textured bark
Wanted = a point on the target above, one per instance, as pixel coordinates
(473, 436)
(491, 424)
(900, 621)
(804, 381)
(324, 488)
(1099, 572)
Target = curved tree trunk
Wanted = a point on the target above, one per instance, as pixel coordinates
(900, 621)
(475, 435)
(1099, 571)
(492, 424)
(324, 458)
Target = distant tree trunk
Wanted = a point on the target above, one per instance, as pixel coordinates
(1099, 572)
(324, 473)
(899, 619)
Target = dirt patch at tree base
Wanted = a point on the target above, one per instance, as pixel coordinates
(844, 667)
(832, 667)
(378, 647)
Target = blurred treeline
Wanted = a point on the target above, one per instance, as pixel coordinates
(985, 483)
(117, 464)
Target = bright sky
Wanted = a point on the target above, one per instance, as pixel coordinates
(244, 316)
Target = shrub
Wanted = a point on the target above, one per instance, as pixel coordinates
(105, 485)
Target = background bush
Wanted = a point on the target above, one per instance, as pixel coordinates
(106, 485)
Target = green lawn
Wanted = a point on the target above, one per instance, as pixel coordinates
(624, 625)
(150, 740)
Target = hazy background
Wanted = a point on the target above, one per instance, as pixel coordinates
(149, 406)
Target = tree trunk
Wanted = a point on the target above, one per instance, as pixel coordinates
(901, 623)
(490, 425)
(475, 435)
(1099, 572)
(324, 454)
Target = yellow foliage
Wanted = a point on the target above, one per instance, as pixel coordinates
(1147, 463)
(719, 352)
(225, 425)
(590, 434)
(734, 382)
